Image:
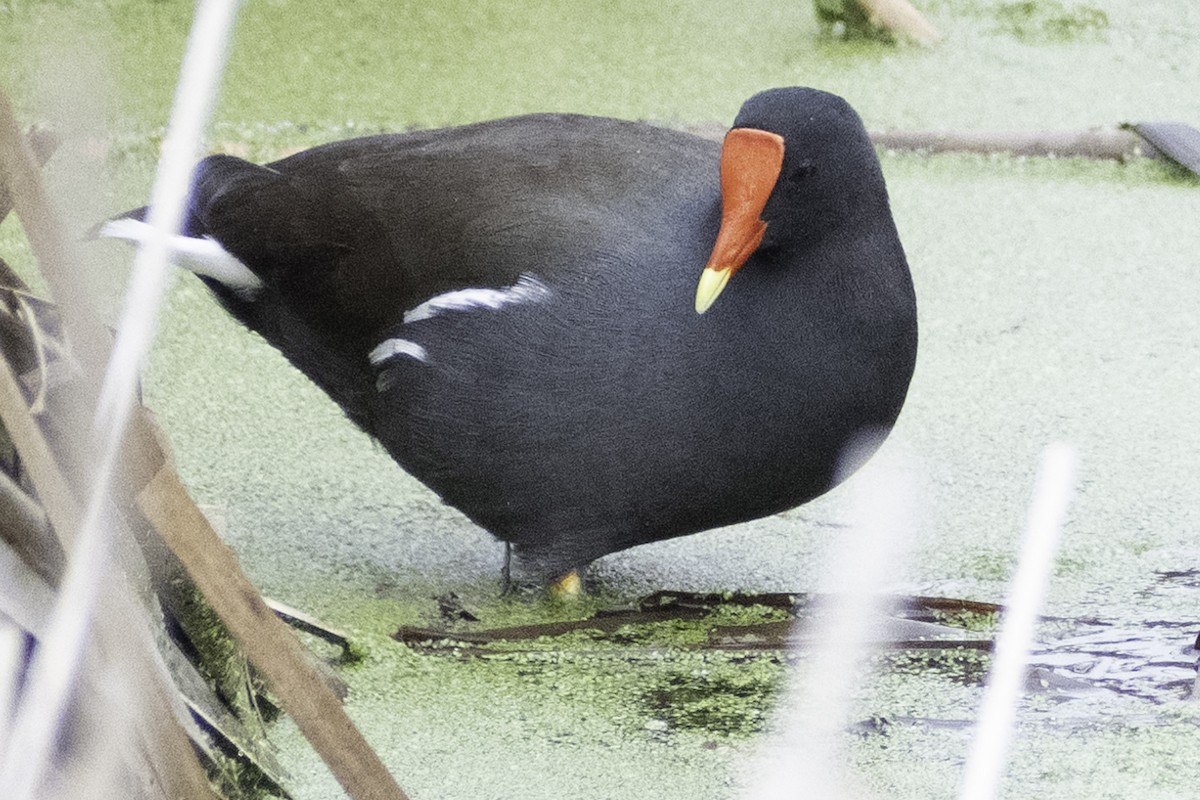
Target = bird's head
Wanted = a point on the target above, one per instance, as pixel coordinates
(795, 163)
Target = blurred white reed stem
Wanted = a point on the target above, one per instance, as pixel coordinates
(60, 653)
(805, 758)
(12, 656)
(997, 715)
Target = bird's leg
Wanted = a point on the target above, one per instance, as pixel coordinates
(506, 584)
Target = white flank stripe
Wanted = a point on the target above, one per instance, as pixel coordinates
(203, 256)
(527, 289)
(390, 348)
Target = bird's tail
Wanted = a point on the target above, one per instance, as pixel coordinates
(201, 255)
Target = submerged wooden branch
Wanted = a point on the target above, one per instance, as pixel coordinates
(1103, 143)
(1143, 140)
(914, 626)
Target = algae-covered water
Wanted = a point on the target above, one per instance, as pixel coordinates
(1058, 301)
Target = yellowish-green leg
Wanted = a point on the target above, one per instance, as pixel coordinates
(569, 586)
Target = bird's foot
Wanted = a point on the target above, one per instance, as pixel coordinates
(567, 587)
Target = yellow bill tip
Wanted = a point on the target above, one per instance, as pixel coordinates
(712, 282)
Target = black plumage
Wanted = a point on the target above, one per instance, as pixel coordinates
(590, 409)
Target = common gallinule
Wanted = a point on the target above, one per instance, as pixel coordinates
(511, 308)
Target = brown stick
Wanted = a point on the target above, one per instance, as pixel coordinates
(168, 740)
(42, 143)
(25, 529)
(52, 487)
(57, 254)
(267, 641)
(164, 743)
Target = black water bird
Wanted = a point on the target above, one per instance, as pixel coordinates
(524, 311)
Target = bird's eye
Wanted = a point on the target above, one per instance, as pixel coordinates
(802, 171)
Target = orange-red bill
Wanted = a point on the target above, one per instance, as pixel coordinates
(750, 164)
